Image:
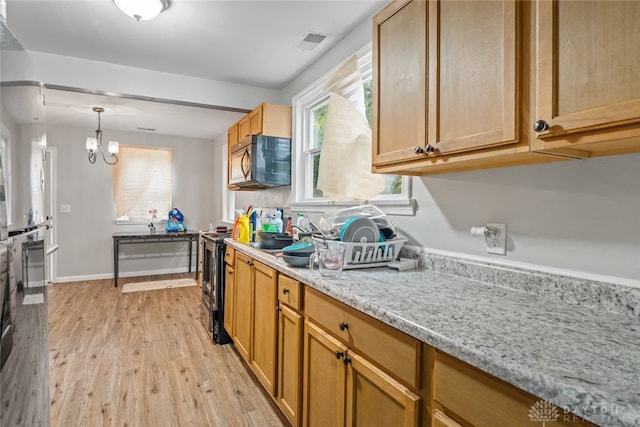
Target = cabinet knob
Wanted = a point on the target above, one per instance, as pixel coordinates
(285, 291)
(343, 326)
(347, 360)
(424, 150)
(540, 126)
(339, 354)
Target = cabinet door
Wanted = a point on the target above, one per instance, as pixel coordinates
(375, 398)
(441, 420)
(324, 379)
(255, 121)
(588, 62)
(232, 135)
(243, 128)
(400, 81)
(265, 318)
(289, 390)
(473, 74)
(229, 299)
(243, 305)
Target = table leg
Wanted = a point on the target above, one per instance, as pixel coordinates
(197, 257)
(115, 262)
(190, 252)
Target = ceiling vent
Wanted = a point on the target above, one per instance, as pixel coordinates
(311, 40)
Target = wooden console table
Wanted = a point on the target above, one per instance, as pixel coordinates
(157, 237)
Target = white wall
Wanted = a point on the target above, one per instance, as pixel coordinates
(85, 234)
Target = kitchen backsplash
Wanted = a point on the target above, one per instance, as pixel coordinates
(590, 293)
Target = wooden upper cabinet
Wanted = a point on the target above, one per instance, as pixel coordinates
(233, 134)
(588, 88)
(400, 81)
(447, 93)
(266, 119)
(474, 56)
(255, 121)
(244, 129)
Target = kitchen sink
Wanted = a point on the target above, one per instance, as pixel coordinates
(273, 252)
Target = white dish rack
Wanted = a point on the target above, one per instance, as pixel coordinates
(365, 255)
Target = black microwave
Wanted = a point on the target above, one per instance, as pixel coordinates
(260, 161)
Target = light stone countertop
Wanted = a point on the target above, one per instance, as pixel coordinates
(582, 359)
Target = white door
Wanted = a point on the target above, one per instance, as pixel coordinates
(51, 165)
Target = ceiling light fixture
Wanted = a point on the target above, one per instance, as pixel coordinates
(141, 10)
(95, 144)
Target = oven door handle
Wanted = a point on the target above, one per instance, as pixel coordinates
(245, 163)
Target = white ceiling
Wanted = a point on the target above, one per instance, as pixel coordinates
(237, 41)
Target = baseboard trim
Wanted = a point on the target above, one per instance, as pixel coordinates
(124, 274)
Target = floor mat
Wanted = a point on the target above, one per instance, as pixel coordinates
(157, 284)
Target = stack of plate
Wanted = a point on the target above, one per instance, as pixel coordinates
(361, 230)
(298, 255)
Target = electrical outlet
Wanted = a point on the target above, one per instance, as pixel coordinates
(497, 244)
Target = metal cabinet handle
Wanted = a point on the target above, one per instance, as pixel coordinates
(343, 326)
(339, 354)
(285, 291)
(347, 360)
(428, 149)
(540, 126)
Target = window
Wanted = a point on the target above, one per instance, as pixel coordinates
(310, 109)
(143, 183)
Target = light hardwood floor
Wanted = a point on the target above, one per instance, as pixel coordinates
(144, 359)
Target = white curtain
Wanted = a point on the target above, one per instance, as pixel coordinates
(344, 172)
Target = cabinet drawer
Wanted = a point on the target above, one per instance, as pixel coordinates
(392, 350)
(230, 256)
(290, 292)
(484, 400)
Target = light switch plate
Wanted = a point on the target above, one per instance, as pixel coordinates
(65, 208)
(497, 245)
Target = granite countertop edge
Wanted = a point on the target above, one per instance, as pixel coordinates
(566, 390)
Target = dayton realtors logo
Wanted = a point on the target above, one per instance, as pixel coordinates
(543, 411)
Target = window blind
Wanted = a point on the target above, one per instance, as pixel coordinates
(143, 182)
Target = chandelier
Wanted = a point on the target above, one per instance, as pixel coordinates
(95, 144)
(141, 10)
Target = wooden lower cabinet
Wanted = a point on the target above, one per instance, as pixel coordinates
(324, 379)
(342, 387)
(472, 397)
(264, 325)
(229, 299)
(255, 318)
(243, 305)
(376, 399)
(289, 389)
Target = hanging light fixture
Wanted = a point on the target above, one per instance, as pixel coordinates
(141, 10)
(95, 144)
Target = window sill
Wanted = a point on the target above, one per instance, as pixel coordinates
(405, 207)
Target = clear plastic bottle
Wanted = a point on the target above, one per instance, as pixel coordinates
(279, 220)
(303, 222)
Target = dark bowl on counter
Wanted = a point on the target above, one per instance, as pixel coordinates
(269, 240)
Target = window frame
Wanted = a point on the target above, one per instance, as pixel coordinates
(312, 97)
